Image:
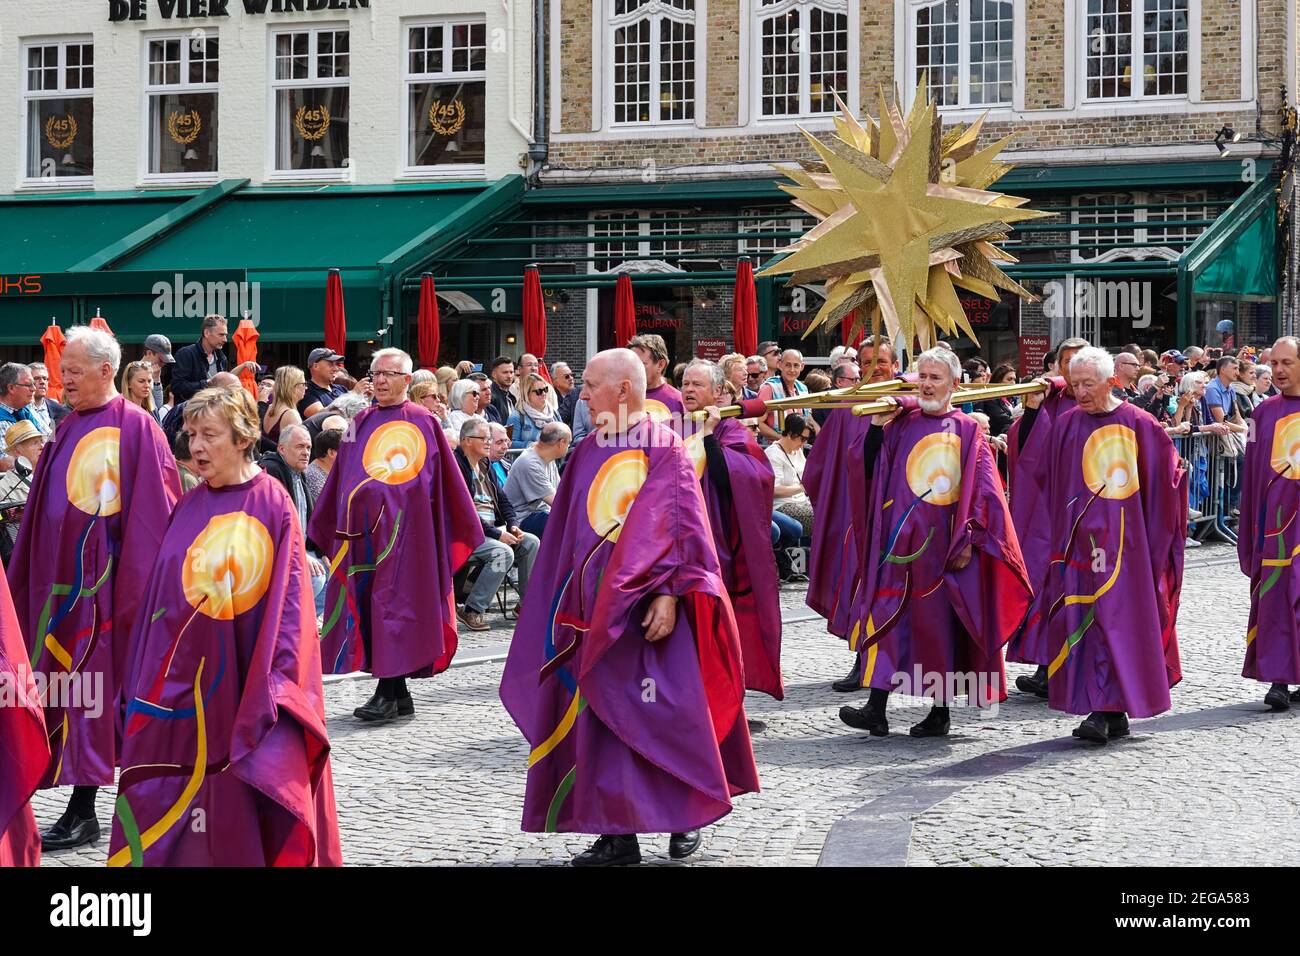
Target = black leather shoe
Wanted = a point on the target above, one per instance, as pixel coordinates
(1278, 697)
(1032, 684)
(69, 832)
(610, 851)
(864, 718)
(755, 726)
(1295, 696)
(405, 706)
(377, 710)
(850, 683)
(682, 845)
(936, 724)
(1094, 728)
(1117, 725)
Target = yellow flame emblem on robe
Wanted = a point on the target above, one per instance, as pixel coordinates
(1110, 462)
(1286, 447)
(657, 410)
(693, 445)
(94, 478)
(228, 566)
(613, 490)
(934, 468)
(394, 453)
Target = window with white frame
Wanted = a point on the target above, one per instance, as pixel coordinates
(59, 107)
(803, 56)
(965, 50)
(649, 234)
(615, 223)
(1136, 48)
(311, 84)
(1145, 230)
(762, 248)
(446, 82)
(181, 87)
(652, 52)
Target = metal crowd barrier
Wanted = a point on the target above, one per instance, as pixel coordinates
(1213, 487)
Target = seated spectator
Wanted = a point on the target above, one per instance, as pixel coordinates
(534, 411)
(464, 369)
(498, 460)
(787, 460)
(447, 377)
(535, 475)
(463, 403)
(422, 375)
(346, 406)
(505, 544)
(565, 390)
(189, 472)
(487, 396)
(426, 394)
(324, 450)
(23, 443)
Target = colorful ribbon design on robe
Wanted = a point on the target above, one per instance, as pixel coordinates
(1089, 599)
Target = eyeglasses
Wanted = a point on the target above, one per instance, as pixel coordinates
(475, 438)
(853, 380)
(540, 391)
(380, 373)
(806, 436)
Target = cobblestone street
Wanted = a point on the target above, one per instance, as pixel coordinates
(1213, 781)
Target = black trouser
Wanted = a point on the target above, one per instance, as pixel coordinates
(82, 802)
(392, 688)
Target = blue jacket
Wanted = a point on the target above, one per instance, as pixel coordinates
(190, 371)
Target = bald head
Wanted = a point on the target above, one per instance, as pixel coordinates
(224, 380)
(613, 385)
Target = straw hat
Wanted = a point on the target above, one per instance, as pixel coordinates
(19, 433)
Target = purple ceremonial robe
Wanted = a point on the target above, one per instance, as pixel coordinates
(663, 402)
(396, 523)
(24, 750)
(225, 715)
(835, 481)
(101, 496)
(937, 492)
(741, 522)
(1268, 541)
(625, 735)
(1027, 483)
(1118, 516)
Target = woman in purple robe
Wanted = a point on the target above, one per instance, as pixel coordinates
(225, 758)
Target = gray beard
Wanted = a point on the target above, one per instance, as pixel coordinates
(934, 406)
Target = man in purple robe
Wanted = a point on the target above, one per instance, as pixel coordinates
(24, 748)
(225, 715)
(1268, 539)
(396, 522)
(737, 482)
(1031, 448)
(662, 401)
(943, 583)
(103, 491)
(624, 673)
(1116, 504)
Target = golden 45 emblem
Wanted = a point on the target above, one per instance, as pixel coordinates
(312, 124)
(447, 118)
(60, 131)
(184, 127)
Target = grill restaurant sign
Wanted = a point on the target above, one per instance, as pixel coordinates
(119, 10)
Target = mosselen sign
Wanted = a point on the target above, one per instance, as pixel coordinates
(119, 10)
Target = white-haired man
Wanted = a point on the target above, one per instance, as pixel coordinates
(95, 518)
(1117, 510)
(943, 583)
(45, 410)
(624, 673)
(396, 522)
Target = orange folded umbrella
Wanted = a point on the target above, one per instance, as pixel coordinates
(53, 340)
(245, 339)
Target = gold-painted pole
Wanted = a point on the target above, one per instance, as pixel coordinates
(978, 393)
(845, 397)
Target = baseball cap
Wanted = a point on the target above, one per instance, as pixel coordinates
(162, 345)
(323, 355)
(1174, 354)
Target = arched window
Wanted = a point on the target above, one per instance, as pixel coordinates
(803, 56)
(652, 60)
(965, 49)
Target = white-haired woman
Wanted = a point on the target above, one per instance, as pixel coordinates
(463, 403)
(1264, 383)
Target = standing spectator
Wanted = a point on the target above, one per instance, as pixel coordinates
(46, 412)
(662, 399)
(1243, 388)
(288, 465)
(505, 545)
(567, 394)
(1000, 411)
(1264, 387)
(197, 363)
(324, 449)
(137, 386)
(189, 471)
(535, 476)
(158, 353)
(503, 377)
(17, 386)
(782, 385)
(770, 353)
(786, 456)
(1219, 397)
(733, 371)
(876, 360)
(288, 395)
(322, 366)
(581, 421)
(533, 412)
(1127, 368)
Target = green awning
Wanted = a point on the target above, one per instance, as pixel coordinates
(52, 233)
(1245, 268)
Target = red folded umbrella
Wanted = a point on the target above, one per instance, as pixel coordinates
(428, 323)
(98, 322)
(744, 309)
(53, 340)
(846, 330)
(624, 311)
(336, 326)
(245, 339)
(535, 319)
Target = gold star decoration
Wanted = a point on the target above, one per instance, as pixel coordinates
(905, 218)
